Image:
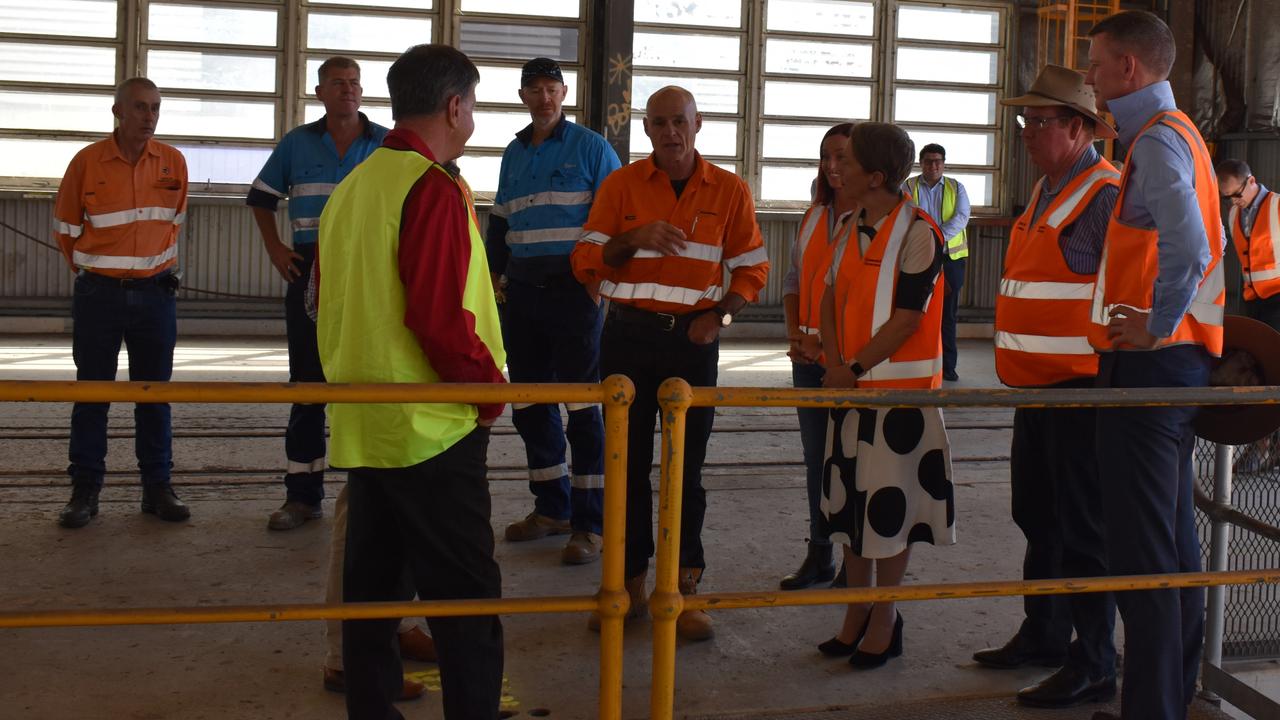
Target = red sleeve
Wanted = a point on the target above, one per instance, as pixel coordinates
(435, 252)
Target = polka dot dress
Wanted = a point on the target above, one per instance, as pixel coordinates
(886, 482)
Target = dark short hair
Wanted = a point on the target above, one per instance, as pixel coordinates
(337, 62)
(1143, 35)
(884, 148)
(934, 148)
(424, 77)
(1233, 168)
(123, 87)
(822, 190)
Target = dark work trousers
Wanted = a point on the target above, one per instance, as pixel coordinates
(1057, 503)
(649, 355)
(1145, 463)
(813, 440)
(1265, 310)
(953, 272)
(552, 335)
(304, 443)
(434, 518)
(141, 314)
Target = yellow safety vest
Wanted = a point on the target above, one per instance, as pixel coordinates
(361, 329)
(957, 246)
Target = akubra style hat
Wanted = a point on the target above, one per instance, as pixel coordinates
(1250, 356)
(1057, 85)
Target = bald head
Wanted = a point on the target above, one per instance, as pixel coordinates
(671, 120)
(669, 97)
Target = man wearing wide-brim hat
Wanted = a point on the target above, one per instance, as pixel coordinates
(1042, 327)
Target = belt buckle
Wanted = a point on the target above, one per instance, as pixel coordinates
(668, 319)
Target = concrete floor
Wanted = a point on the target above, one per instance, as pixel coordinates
(227, 468)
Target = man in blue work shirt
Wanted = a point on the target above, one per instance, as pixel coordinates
(305, 167)
(947, 202)
(550, 322)
(1157, 322)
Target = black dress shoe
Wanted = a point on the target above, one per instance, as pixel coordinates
(837, 648)
(950, 375)
(866, 661)
(816, 568)
(82, 507)
(161, 501)
(1067, 687)
(1017, 652)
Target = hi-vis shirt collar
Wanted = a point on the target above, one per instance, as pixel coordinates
(152, 149)
(320, 126)
(699, 170)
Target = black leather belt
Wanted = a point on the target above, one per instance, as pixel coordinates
(125, 282)
(662, 322)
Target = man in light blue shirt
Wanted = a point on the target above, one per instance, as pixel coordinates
(1155, 336)
(947, 202)
(550, 322)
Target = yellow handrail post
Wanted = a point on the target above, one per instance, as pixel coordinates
(618, 392)
(674, 398)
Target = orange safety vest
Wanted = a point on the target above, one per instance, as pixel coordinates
(1258, 252)
(865, 288)
(815, 260)
(1129, 266)
(1042, 309)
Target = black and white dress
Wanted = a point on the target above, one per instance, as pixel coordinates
(886, 480)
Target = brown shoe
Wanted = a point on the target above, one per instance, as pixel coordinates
(417, 645)
(336, 681)
(293, 515)
(639, 604)
(535, 526)
(581, 549)
(693, 625)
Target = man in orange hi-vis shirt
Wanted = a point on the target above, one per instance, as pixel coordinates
(661, 234)
(118, 212)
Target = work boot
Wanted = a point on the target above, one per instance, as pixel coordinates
(639, 604)
(694, 625)
(582, 548)
(417, 645)
(163, 502)
(816, 568)
(82, 507)
(293, 514)
(535, 526)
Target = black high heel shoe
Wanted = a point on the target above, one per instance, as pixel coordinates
(835, 648)
(866, 661)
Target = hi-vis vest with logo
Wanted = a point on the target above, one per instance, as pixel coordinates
(361, 329)
(1258, 252)
(865, 286)
(957, 246)
(815, 260)
(1129, 266)
(1042, 309)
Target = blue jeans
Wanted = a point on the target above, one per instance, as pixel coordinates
(552, 335)
(304, 443)
(143, 315)
(813, 439)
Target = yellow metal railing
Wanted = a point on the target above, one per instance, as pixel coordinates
(612, 602)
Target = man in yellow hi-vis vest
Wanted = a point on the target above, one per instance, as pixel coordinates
(405, 296)
(947, 203)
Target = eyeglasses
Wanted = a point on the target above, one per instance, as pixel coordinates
(1039, 123)
(1237, 194)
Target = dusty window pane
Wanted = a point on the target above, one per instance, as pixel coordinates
(717, 137)
(817, 100)
(214, 25)
(799, 142)
(38, 158)
(962, 148)
(545, 8)
(216, 118)
(373, 77)
(714, 13)
(817, 58)
(833, 17)
(497, 130)
(949, 106)
(499, 85)
(49, 111)
(80, 64)
(956, 66)
(415, 4)
(949, 24)
(376, 114)
(207, 71)
(976, 185)
(355, 32)
(481, 172)
(77, 18)
(223, 164)
(787, 183)
(519, 42)
(714, 52)
(712, 94)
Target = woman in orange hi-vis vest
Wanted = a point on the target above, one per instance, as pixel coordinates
(802, 291)
(888, 472)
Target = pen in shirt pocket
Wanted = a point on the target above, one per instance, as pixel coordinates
(694, 228)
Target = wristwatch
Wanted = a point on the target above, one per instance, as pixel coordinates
(726, 318)
(857, 369)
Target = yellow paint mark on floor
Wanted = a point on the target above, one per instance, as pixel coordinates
(430, 679)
